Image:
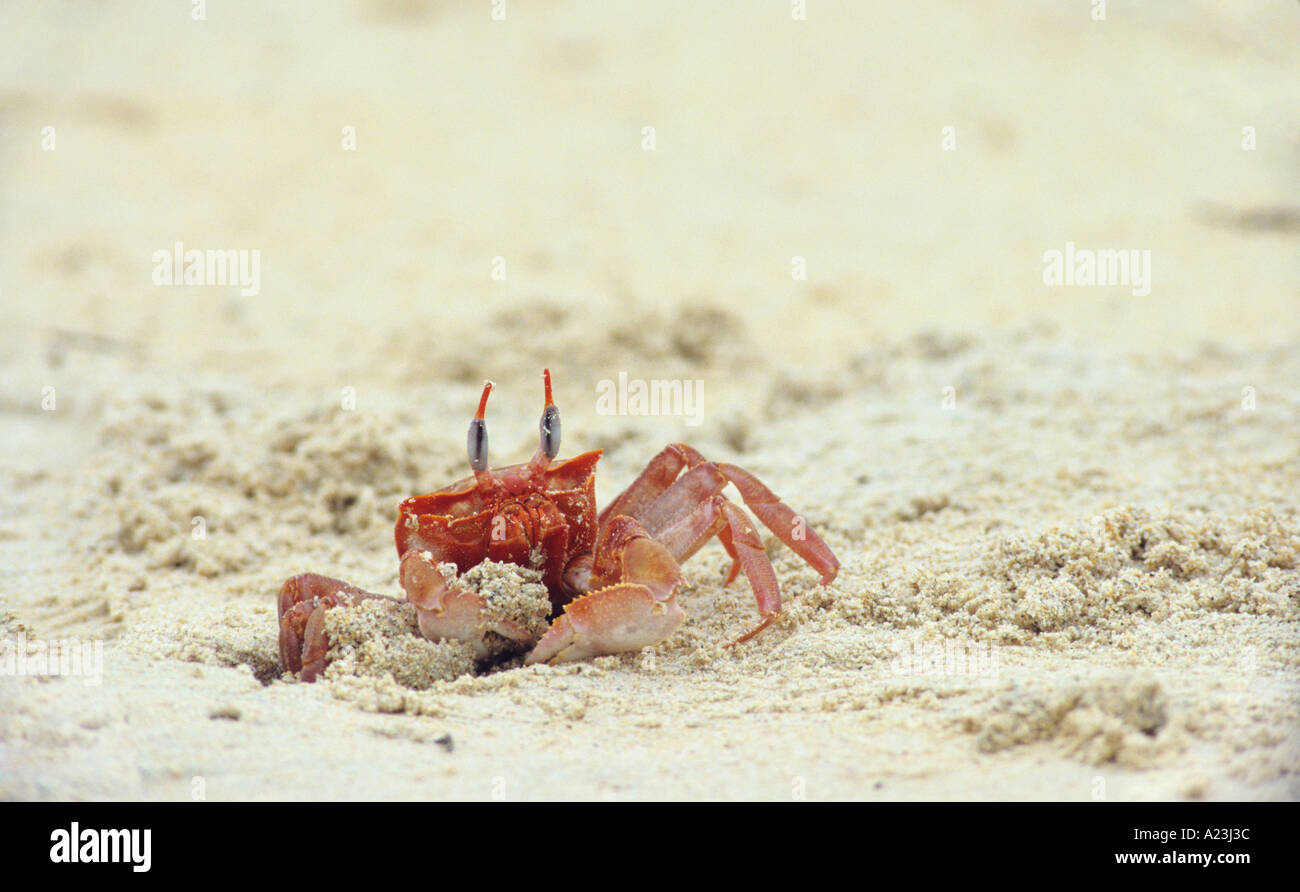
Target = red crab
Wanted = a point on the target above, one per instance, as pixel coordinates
(612, 578)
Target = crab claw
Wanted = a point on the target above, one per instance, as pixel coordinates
(446, 610)
(615, 619)
(303, 601)
(624, 616)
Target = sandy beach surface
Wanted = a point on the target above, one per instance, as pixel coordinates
(1067, 515)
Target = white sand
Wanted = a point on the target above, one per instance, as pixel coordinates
(1075, 574)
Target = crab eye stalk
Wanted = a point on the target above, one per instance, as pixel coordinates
(550, 424)
(477, 441)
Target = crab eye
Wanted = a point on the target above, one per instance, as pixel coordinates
(550, 428)
(478, 444)
(477, 441)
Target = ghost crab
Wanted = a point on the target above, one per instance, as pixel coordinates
(612, 578)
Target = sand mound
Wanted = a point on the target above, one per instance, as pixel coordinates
(380, 638)
(1107, 720)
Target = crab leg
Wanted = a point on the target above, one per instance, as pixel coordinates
(727, 520)
(787, 526)
(660, 480)
(656, 477)
(636, 608)
(777, 516)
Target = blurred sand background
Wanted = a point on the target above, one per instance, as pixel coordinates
(1107, 498)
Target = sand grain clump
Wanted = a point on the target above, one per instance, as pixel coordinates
(381, 637)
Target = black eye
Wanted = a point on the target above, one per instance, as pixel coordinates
(550, 428)
(478, 444)
(478, 441)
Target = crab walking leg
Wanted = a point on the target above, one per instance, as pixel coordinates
(727, 520)
(656, 477)
(448, 611)
(659, 475)
(724, 536)
(662, 506)
(636, 609)
(777, 516)
(660, 480)
(691, 510)
(301, 606)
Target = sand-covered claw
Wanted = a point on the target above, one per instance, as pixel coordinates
(302, 604)
(447, 610)
(616, 619)
(619, 616)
